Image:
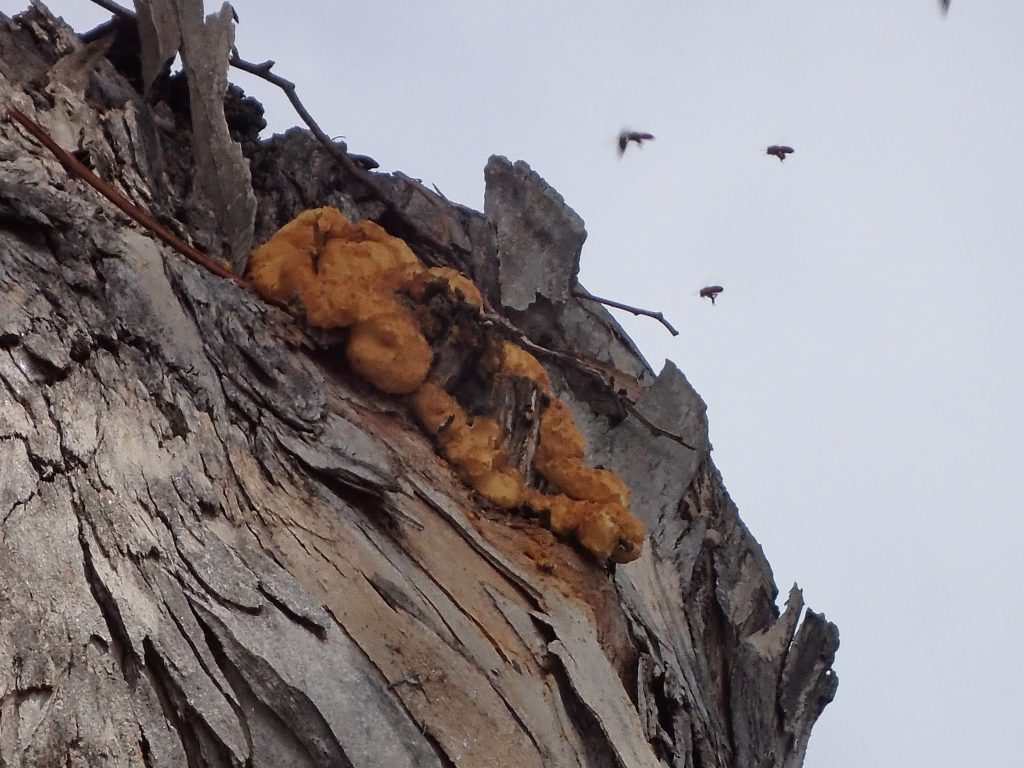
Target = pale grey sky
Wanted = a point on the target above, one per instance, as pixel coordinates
(863, 367)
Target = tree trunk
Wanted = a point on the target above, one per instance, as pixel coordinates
(219, 547)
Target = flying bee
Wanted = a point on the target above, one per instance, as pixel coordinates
(711, 292)
(635, 136)
(780, 151)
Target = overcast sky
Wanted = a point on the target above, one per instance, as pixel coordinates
(862, 369)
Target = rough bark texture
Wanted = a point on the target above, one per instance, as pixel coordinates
(219, 548)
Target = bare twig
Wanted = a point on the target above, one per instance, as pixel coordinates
(635, 412)
(114, 8)
(76, 168)
(262, 71)
(581, 294)
(592, 370)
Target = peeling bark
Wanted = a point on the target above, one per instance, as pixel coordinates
(217, 547)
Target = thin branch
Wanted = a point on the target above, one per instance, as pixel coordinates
(76, 168)
(262, 71)
(635, 412)
(513, 333)
(581, 294)
(114, 8)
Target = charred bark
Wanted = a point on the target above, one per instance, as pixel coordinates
(219, 548)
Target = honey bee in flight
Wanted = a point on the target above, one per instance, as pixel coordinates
(711, 292)
(635, 136)
(780, 151)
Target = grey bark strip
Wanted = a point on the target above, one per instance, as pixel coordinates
(222, 173)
